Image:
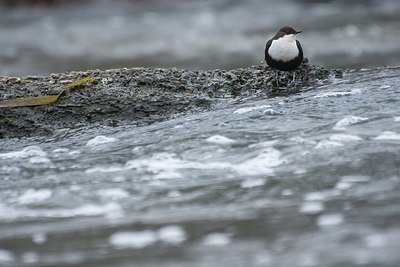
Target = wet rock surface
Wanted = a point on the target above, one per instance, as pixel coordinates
(139, 95)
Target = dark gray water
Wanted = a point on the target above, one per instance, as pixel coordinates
(306, 180)
(197, 34)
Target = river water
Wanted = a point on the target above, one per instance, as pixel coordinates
(310, 179)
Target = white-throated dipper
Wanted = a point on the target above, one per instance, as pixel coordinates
(283, 51)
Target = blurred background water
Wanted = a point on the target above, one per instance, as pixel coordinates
(310, 179)
(40, 39)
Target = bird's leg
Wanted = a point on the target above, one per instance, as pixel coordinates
(293, 82)
(294, 77)
(277, 77)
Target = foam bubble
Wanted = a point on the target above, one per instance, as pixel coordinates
(326, 220)
(61, 150)
(172, 234)
(261, 164)
(217, 239)
(32, 196)
(319, 195)
(348, 120)
(311, 207)
(376, 240)
(338, 94)
(105, 169)
(168, 174)
(271, 111)
(100, 140)
(325, 144)
(355, 178)
(113, 193)
(300, 140)
(249, 183)
(39, 160)
(347, 182)
(165, 165)
(248, 109)
(109, 210)
(344, 138)
(30, 257)
(221, 140)
(39, 238)
(6, 256)
(132, 239)
(387, 135)
(287, 192)
(30, 151)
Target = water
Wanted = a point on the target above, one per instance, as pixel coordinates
(310, 179)
(196, 34)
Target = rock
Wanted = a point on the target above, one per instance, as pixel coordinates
(137, 96)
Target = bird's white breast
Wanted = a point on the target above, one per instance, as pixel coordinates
(284, 49)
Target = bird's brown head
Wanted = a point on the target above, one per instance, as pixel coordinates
(285, 31)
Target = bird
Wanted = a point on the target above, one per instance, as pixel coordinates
(284, 52)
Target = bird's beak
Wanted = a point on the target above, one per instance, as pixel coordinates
(297, 32)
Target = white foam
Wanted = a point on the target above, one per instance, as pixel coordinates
(287, 192)
(30, 257)
(130, 239)
(338, 94)
(113, 193)
(74, 152)
(39, 160)
(348, 181)
(311, 207)
(105, 169)
(347, 121)
(221, 140)
(261, 164)
(396, 119)
(320, 195)
(39, 238)
(248, 109)
(168, 174)
(217, 239)
(326, 220)
(376, 240)
(172, 234)
(30, 151)
(302, 141)
(343, 185)
(325, 144)
(32, 196)
(388, 135)
(110, 210)
(174, 193)
(6, 256)
(165, 165)
(355, 178)
(249, 183)
(270, 111)
(61, 150)
(345, 138)
(100, 140)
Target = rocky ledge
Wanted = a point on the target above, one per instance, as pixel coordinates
(138, 95)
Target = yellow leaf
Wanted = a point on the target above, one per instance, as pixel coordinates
(39, 100)
(79, 82)
(31, 101)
